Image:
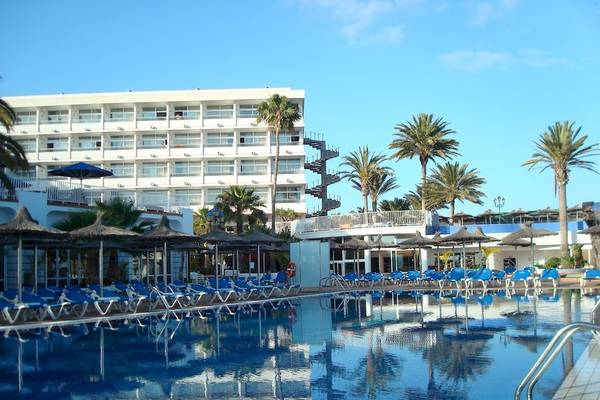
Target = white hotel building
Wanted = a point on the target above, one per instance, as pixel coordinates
(167, 149)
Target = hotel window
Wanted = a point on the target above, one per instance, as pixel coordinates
(121, 142)
(253, 138)
(121, 114)
(154, 170)
(57, 144)
(290, 166)
(212, 195)
(29, 172)
(28, 145)
(225, 167)
(248, 110)
(188, 197)
(154, 141)
(187, 168)
(287, 138)
(253, 167)
(262, 193)
(122, 194)
(289, 194)
(123, 170)
(89, 143)
(216, 139)
(186, 112)
(154, 113)
(90, 115)
(219, 111)
(188, 140)
(155, 198)
(26, 117)
(58, 116)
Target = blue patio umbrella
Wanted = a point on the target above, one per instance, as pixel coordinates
(80, 171)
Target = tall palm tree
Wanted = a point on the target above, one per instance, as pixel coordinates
(397, 204)
(364, 166)
(561, 148)
(12, 155)
(452, 181)
(425, 138)
(279, 114)
(415, 199)
(239, 204)
(201, 224)
(382, 182)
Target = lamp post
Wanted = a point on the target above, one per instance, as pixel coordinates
(499, 203)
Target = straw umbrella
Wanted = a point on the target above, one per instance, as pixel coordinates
(515, 243)
(487, 216)
(165, 234)
(259, 238)
(23, 226)
(355, 244)
(462, 237)
(528, 232)
(99, 231)
(218, 236)
(417, 242)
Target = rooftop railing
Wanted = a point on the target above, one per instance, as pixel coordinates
(380, 219)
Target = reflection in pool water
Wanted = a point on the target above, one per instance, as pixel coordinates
(401, 344)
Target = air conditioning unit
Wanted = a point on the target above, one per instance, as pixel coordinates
(153, 155)
(152, 127)
(187, 126)
(120, 128)
(153, 184)
(187, 154)
(88, 158)
(120, 157)
(88, 130)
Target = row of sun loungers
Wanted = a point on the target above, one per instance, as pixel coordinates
(458, 277)
(75, 302)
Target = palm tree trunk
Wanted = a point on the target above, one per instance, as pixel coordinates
(374, 205)
(239, 223)
(423, 183)
(451, 218)
(366, 206)
(274, 190)
(562, 217)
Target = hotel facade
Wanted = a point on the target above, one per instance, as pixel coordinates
(166, 149)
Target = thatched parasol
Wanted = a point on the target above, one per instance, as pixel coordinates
(23, 226)
(260, 238)
(417, 242)
(463, 237)
(165, 234)
(99, 231)
(217, 237)
(528, 232)
(515, 243)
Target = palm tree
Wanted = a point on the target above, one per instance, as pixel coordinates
(364, 166)
(286, 214)
(201, 224)
(240, 203)
(450, 182)
(425, 138)
(12, 155)
(279, 114)
(415, 199)
(117, 212)
(561, 148)
(382, 182)
(397, 204)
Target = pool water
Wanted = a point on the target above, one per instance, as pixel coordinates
(396, 345)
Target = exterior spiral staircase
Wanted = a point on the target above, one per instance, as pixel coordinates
(318, 165)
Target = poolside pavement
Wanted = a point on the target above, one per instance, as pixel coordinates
(583, 382)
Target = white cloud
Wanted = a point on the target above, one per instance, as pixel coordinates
(363, 21)
(485, 11)
(476, 60)
(472, 61)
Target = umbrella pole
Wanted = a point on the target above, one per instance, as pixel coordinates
(19, 270)
(35, 267)
(217, 266)
(155, 267)
(532, 251)
(101, 266)
(258, 263)
(165, 260)
(79, 268)
(46, 268)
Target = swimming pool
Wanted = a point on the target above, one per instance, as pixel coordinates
(397, 345)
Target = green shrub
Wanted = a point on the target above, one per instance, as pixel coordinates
(567, 262)
(553, 262)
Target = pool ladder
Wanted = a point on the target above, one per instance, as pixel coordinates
(552, 350)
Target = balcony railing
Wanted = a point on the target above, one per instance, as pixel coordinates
(383, 219)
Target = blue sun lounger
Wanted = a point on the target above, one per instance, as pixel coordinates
(590, 275)
(549, 274)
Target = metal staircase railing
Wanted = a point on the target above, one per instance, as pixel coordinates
(551, 351)
(318, 165)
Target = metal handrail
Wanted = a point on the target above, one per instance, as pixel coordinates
(548, 355)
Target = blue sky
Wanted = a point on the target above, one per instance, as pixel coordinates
(500, 71)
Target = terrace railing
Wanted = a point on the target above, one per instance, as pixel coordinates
(361, 220)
